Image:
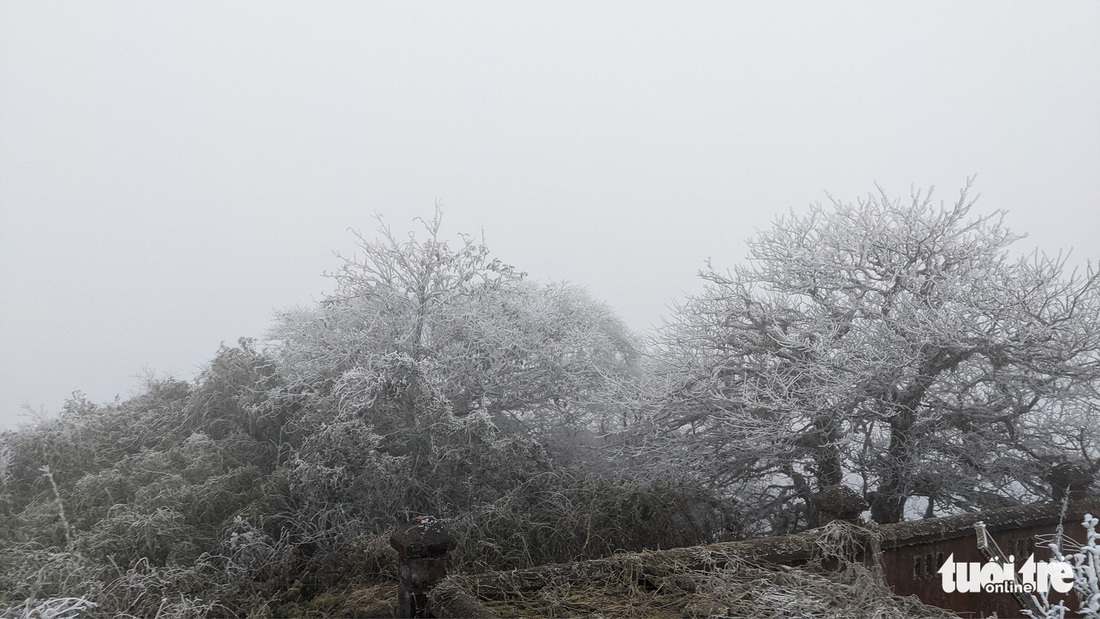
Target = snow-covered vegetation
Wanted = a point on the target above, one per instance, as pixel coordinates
(896, 348)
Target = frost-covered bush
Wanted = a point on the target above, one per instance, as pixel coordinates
(50, 609)
(1085, 559)
(562, 516)
(434, 380)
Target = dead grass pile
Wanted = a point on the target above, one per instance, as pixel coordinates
(700, 582)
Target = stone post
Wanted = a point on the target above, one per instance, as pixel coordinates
(422, 548)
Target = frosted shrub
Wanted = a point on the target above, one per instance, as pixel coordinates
(48, 609)
(1086, 565)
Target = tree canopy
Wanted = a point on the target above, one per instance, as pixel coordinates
(434, 379)
(897, 347)
(413, 314)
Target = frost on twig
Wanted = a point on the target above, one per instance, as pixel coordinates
(1085, 559)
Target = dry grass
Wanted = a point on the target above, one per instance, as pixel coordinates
(659, 585)
(369, 601)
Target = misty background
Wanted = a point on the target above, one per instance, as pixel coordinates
(172, 174)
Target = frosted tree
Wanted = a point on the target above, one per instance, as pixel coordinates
(895, 347)
(472, 326)
(449, 364)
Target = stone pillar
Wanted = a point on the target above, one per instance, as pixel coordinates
(422, 548)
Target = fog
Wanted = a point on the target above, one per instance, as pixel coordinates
(172, 174)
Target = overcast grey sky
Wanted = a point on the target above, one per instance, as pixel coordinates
(172, 173)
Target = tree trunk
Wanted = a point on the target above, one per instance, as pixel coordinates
(888, 504)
